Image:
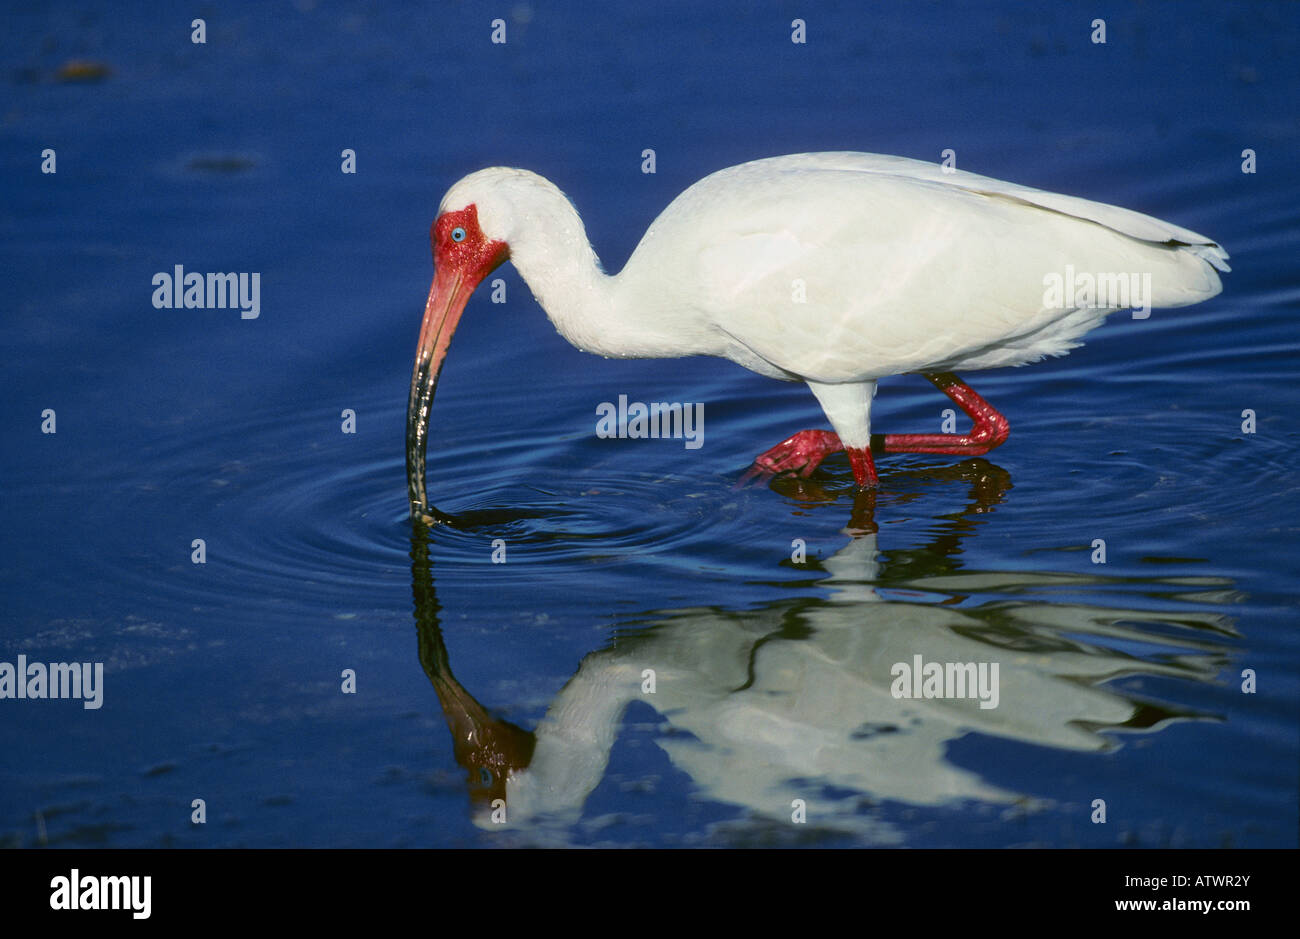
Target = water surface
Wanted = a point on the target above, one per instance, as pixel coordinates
(771, 616)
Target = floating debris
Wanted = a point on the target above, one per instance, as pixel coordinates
(82, 70)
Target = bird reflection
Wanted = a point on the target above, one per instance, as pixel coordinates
(796, 700)
(488, 749)
(987, 483)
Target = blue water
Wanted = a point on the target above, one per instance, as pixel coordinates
(1119, 681)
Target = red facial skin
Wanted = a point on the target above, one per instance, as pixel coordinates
(459, 267)
(476, 256)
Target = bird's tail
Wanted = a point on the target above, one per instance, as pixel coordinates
(1189, 274)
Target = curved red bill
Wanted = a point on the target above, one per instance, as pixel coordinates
(459, 265)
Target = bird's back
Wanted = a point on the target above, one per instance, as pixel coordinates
(850, 266)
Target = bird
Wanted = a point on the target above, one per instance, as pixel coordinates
(836, 269)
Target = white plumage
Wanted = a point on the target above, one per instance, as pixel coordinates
(838, 269)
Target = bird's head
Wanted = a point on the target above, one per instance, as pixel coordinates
(486, 218)
(463, 255)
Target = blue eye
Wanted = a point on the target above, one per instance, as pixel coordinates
(458, 234)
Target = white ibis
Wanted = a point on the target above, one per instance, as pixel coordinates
(835, 269)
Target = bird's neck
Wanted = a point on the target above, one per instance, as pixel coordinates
(588, 307)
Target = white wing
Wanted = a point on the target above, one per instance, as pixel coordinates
(840, 267)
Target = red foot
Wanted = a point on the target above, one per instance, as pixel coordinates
(804, 452)
(990, 428)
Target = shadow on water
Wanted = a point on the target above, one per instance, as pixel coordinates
(831, 696)
(489, 519)
(987, 484)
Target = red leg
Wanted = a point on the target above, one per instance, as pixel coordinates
(804, 452)
(864, 467)
(989, 430)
